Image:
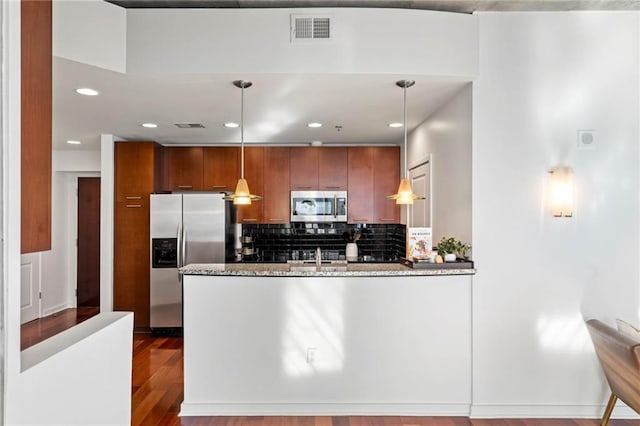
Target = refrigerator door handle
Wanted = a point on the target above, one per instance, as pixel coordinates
(179, 246)
(184, 245)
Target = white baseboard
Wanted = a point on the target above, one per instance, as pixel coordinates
(506, 411)
(54, 309)
(316, 409)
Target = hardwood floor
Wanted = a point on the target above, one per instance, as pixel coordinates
(40, 329)
(158, 380)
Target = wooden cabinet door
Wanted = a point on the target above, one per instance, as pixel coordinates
(360, 185)
(332, 168)
(386, 178)
(276, 197)
(135, 179)
(35, 129)
(221, 168)
(184, 167)
(253, 173)
(134, 169)
(131, 260)
(304, 168)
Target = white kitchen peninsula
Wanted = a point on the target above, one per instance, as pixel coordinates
(262, 339)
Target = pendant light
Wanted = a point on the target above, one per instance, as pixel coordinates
(405, 194)
(242, 195)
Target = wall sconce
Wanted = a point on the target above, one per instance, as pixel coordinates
(561, 191)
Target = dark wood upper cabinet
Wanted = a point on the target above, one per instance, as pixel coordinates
(136, 168)
(304, 168)
(319, 168)
(36, 127)
(386, 177)
(276, 199)
(221, 168)
(254, 174)
(332, 168)
(360, 186)
(184, 167)
(374, 173)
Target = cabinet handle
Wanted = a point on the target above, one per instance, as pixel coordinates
(133, 198)
(276, 220)
(332, 187)
(249, 220)
(303, 187)
(185, 186)
(133, 206)
(361, 219)
(218, 186)
(387, 220)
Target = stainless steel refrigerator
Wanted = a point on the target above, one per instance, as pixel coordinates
(185, 228)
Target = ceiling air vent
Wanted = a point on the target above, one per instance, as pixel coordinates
(311, 28)
(189, 125)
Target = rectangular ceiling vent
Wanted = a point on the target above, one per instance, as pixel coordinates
(189, 125)
(311, 28)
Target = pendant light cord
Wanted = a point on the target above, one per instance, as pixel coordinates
(406, 166)
(242, 131)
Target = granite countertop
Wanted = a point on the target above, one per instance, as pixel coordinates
(311, 270)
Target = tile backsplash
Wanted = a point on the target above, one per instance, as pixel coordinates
(298, 241)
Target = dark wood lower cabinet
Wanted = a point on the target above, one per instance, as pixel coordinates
(131, 260)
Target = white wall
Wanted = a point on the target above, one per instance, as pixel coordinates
(258, 41)
(106, 221)
(11, 193)
(411, 357)
(81, 376)
(90, 31)
(542, 77)
(446, 135)
(59, 264)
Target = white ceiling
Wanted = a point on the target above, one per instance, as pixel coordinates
(277, 107)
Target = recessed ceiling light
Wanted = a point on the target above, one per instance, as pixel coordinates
(74, 142)
(231, 125)
(314, 125)
(149, 125)
(87, 91)
(395, 124)
(316, 143)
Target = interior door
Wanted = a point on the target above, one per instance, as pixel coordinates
(420, 211)
(88, 264)
(29, 287)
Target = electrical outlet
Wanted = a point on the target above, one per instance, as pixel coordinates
(311, 355)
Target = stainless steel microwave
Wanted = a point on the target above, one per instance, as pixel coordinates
(318, 206)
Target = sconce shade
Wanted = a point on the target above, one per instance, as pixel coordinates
(405, 194)
(561, 191)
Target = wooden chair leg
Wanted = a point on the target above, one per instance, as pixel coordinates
(609, 409)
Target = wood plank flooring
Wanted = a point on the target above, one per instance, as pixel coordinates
(158, 381)
(40, 329)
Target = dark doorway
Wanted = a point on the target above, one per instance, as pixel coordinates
(88, 273)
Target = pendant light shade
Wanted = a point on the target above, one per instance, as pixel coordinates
(405, 194)
(242, 195)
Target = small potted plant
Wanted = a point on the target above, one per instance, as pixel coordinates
(450, 249)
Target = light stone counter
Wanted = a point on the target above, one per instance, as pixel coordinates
(311, 270)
